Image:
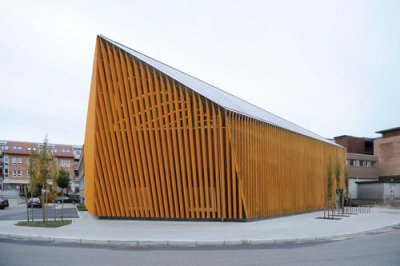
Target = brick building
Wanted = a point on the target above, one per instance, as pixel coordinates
(362, 164)
(387, 149)
(16, 162)
(372, 163)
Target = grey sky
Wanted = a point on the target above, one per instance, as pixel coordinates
(329, 66)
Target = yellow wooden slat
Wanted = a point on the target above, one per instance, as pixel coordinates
(151, 148)
(180, 129)
(160, 160)
(137, 133)
(179, 199)
(187, 158)
(165, 133)
(126, 137)
(198, 156)
(202, 128)
(133, 143)
(211, 164)
(117, 201)
(150, 183)
(175, 185)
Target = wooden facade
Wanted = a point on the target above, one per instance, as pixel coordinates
(155, 148)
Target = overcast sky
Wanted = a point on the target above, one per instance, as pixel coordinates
(332, 67)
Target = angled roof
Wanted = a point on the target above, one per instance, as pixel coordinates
(388, 130)
(220, 97)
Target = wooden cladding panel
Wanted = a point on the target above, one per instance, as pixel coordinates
(281, 171)
(157, 149)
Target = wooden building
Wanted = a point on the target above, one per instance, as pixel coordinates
(161, 144)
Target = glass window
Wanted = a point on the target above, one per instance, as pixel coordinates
(65, 163)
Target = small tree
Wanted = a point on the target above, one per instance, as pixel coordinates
(43, 171)
(62, 182)
(329, 185)
(338, 173)
(40, 171)
(346, 180)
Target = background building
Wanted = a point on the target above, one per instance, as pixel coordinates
(16, 162)
(81, 176)
(162, 144)
(77, 152)
(374, 165)
(387, 148)
(2, 144)
(362, 164)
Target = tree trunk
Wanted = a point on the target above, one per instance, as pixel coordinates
(55, 210)
(27, 209)
(43, 205)
(62, 204)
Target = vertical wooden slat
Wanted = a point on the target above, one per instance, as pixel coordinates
(161, 181)
(198, 156)
(202, 127)
(111, 142)
(192, 153)
(180, 128)
(138, 133)
(228, 166)
(210, 153)
(126, 139)
(133, 142)
(150, 183)
(173, 119)
(216, 160)
(175, 184)
(119, 147)
(167, 126)
(158, 189)
(222, 174)
(186, 132)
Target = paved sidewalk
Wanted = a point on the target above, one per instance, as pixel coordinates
(295, 228)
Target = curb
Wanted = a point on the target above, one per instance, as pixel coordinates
(193, 243)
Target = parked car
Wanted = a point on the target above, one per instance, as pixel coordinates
(66, 199)
(5, 200)
(34, 203)
(2, 204)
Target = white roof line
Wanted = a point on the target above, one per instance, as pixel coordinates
(224, 99)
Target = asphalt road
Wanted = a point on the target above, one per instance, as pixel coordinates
(18, 212)
(375, 249)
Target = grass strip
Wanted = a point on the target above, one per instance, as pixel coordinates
(48, 224)
(81, 207)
